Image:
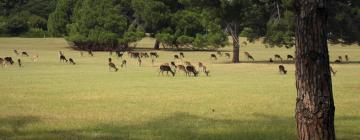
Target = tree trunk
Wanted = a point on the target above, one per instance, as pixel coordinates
(157, 45)
(236, 50)
(314, 104)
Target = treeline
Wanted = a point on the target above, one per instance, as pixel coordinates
(177, 24)
(27, 18)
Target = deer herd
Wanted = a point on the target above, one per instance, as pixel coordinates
(180, 66)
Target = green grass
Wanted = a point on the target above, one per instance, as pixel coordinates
(51, 100)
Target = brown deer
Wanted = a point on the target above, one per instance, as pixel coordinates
(282, 69)
(16, 52)
(72, 61)
(25, 54)
(333, 71)
(290, 57)
(173, 64)
(112, 66)
(19, 62)
(249, 56)
(123, 64)
(219, 53)
(35, 58)
(166, 68)
(202, 66)
(278, 57)
(182, 55)
(340, 58)
(191, 69)
(346, 58)
(139, 61)
(63, 58)
(181, 68)
(2, 62)
(227, 55)
(187, 63)
(154, 54)
(90, 53)
(213, 56)
(176, 57)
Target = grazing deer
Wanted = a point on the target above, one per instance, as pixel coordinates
(249, 56)
(25, 54)
(19, 62)
(9, 60)
(219, 53)
(90, 53)
(16, 52)
(63, 58)
(278, 57)
(182, 55)
(227, 55)
(154, 54)
(176, 57)
(271, 60)
(35, 58)
(213, 56)
(123, 64)
(340, 58)
(166, 68)
(347, 58)
(244, 43)
(207, 72)
(139, 61)
(191, 69)
(173, 64)
(134, 55)
(333, 71)
(112, 66)
(187, 63)
(119, 54)
(72, 61)
(202, 66)
(290, 57)
(181, 68)
(282, 69)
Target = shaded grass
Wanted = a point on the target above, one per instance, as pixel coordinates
(52, 100)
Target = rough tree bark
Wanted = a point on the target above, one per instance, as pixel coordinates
(315, 108)
(232, 30)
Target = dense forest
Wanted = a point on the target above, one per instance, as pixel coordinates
(176, 24)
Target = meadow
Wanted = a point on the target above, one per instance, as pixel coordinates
(48, 99)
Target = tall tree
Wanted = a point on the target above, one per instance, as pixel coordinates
(314, 104)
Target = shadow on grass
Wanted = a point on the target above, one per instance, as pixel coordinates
(175, 127)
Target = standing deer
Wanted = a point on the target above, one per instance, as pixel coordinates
(202, 66)
(16, 52)
(19, 62)
(347, 58)
(63, 58)
(181, 68)
(35, 58)
(182, 55)
(213, 56)
(166, 68)
(282, 69)
(25, 54)
(176, 57)
(123, 64)
(154, 54)
(90, 53)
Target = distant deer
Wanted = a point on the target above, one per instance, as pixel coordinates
(282, 69)
(112, 66)
(166, 68)
(154, 54)
(202, 66)
(333, 71)
(278, 57)
(340, 58)
(213, 56)
(63, 58)
(119, 54)
(139, 61)
(219, 53)
(61, 53)
(244, 43)
(72, 61)
(2, 62)
(25, 54)
(191, 69)
(182, 55)
(181, 68)
(347, 58)
(207, 72)
(227, 55)
(176, 57)
(187, 63)
(290, 57)
(9, 60)
(173, 64)
(271, 60)
(16, 52)
(337, 61)
(249, 56)
(90, 52)
(35, 58)
(123, 64)
(19, 62)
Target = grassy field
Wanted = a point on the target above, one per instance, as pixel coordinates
(52, 100)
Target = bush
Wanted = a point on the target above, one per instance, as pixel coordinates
(35, 33)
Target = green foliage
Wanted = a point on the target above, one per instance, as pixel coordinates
(17, 24)
(37, 22)
(59, 19)
(166, 39)
(35, 33)
(184, 40)
(281, 32)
